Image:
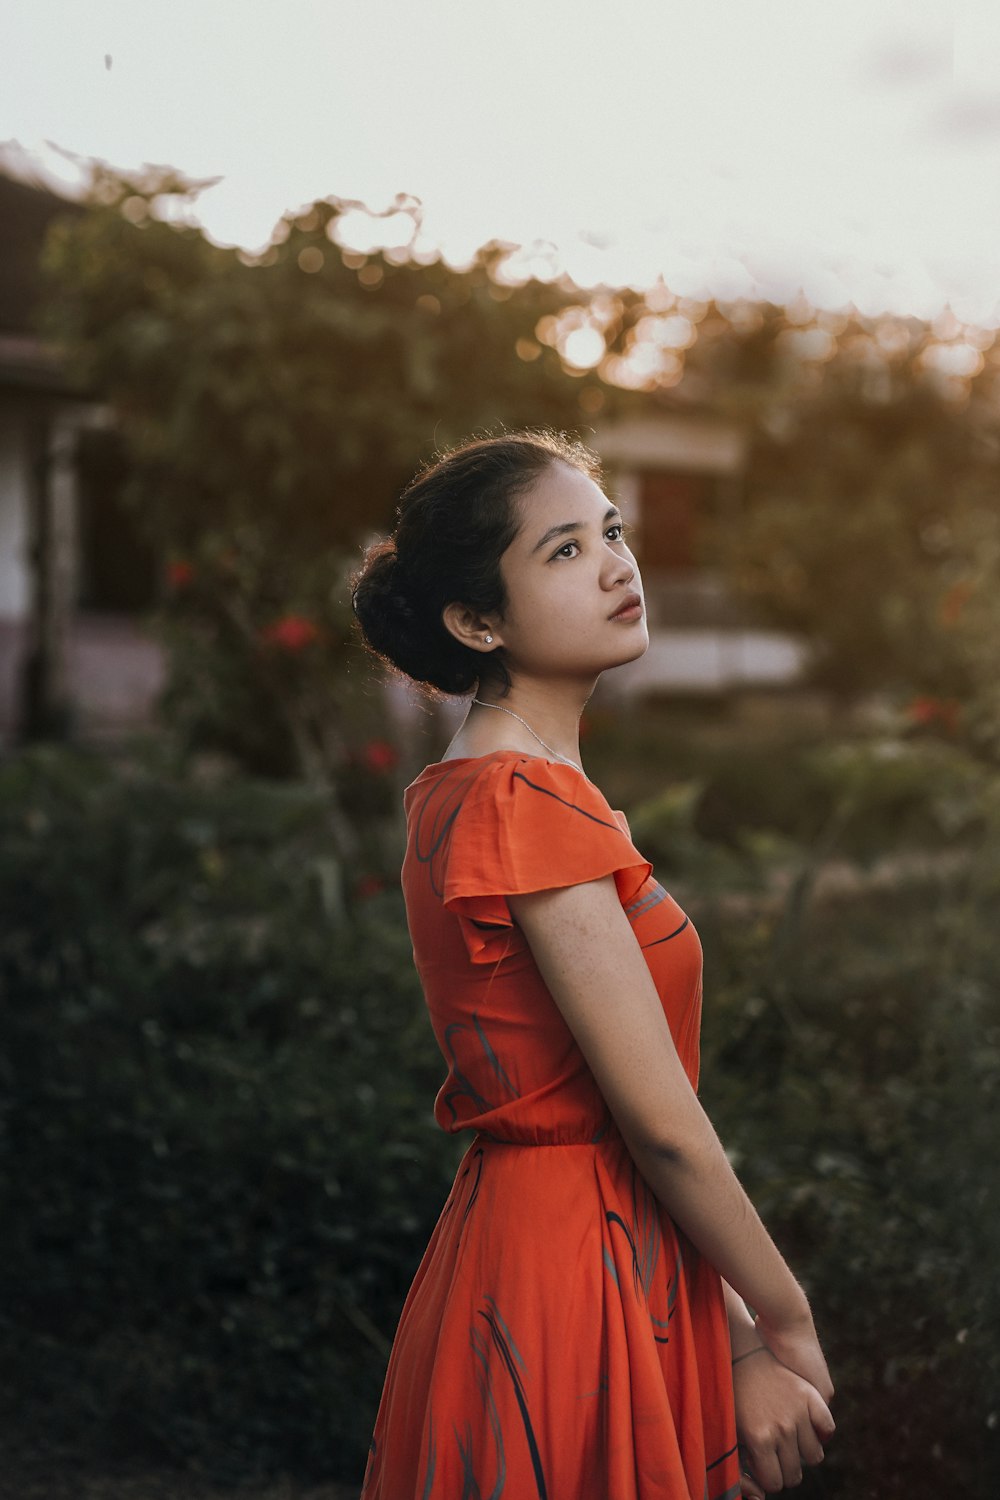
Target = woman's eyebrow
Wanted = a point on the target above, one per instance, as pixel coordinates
(554, 531)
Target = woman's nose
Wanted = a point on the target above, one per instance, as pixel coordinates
(618, 569)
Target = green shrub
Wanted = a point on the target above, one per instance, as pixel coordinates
(219, 1169)
(217, 1162)
(854, 1076)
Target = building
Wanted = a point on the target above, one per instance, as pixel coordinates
(675, 474)
(76, 579)
(74, 576)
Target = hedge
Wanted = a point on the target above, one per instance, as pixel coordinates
(218, 1164)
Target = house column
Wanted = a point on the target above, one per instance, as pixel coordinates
(46, 708)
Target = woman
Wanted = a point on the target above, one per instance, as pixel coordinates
(577, 1328)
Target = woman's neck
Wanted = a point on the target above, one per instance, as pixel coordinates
(533, 717)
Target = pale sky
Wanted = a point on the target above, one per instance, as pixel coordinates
(737, 147)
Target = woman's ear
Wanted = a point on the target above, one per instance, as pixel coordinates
(471, 628)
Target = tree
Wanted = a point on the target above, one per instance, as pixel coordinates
(272, 410)
(871, 491)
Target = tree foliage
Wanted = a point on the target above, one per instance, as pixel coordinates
(294, 391)
(872, 509)
(272, 409)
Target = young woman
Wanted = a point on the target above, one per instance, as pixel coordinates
(578, 1327)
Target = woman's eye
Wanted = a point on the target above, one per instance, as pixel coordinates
(618, 527)
(564, 549)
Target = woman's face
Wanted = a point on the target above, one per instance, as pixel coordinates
(567, 574)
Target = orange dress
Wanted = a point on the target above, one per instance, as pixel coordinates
(562, 1338)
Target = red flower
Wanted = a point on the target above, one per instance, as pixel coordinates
(367, 886)
(180, 574)
(927, 711)
(291, 633)
(379, 756)
(954, 600)
(922, 710)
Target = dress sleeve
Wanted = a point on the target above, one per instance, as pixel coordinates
(530, 825)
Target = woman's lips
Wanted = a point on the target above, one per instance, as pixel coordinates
(629, 609)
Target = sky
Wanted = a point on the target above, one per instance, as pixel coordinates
(748, 148)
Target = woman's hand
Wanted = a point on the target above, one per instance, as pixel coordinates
(796, 1345)
(782, 1423)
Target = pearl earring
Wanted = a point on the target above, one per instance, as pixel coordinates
(488, 639)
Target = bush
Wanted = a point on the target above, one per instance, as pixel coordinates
(855, 800)
(219, 1167)
(854, 1073)
(218, 1162)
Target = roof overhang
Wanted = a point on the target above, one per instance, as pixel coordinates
(31, 364)
(674, 441)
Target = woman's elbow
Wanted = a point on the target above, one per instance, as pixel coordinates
(659, 1147)
(679, 1141)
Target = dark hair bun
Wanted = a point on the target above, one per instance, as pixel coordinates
(406, 635)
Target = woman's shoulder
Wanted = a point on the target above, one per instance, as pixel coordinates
(486, 827)
(511, 808)
(493, 783)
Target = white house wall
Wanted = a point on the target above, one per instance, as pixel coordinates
(710, 661)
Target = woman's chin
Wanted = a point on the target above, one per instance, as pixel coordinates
(636, 647)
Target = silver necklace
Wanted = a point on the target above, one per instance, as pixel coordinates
(528, 727)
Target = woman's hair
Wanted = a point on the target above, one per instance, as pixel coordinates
(456, 519)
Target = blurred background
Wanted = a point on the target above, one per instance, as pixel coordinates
(256, 265)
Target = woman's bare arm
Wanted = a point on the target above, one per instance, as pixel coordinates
(590, 960)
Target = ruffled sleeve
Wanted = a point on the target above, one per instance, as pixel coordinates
(528, 824)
